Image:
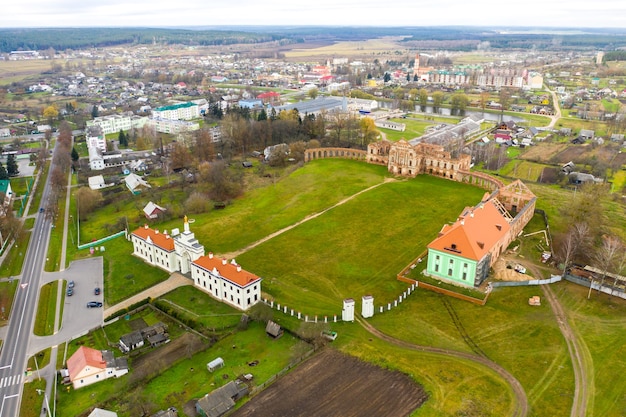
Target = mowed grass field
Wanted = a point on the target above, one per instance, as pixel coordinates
(599, 323)
(357, 248)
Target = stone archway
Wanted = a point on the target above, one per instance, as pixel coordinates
(184, 263)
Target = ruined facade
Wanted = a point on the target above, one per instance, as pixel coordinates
(408, 160)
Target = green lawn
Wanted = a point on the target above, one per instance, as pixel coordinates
(414, 128)
(124, 274)
(313, 267)
(524, 170)
(619, 181)
(524, 340)
(190, 302)
(308, 190)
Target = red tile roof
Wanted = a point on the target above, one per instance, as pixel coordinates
(82, 358)
(476, 231)
(161, 240)
(269, 94)
(231, 272)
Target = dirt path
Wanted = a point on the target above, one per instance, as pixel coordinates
(581, 390)
(521, 403)
(232, 255)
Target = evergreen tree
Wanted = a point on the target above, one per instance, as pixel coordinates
(123, 140)
(12, 166)
(262, 115)
(387, 77)
(3, 173)
(415, 77)
(94, 112)
(74, 155)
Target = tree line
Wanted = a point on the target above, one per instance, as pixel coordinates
(61, 39)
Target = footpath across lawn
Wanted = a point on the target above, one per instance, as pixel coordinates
(359, 247)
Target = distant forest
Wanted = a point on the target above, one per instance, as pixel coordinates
(80, 38)
(454, 38)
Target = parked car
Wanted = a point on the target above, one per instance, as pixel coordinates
(96, 291)
(92, 304)
(70, 292)
(70, 284)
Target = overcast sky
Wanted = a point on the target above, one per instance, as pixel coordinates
(164, 13)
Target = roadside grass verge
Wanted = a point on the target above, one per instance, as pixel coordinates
(32, 401)
(14, 260)
(40, 359)
(599, 323)
(29, 223)
(316, 265)
(46, 309)
(7, 294)
(36, 198)
(53, 258)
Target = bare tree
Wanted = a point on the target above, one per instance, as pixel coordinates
(572, 243)
(606, 257)
(87, 200)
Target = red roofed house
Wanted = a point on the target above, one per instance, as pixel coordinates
(464, 251)
(270, 97)
(87, 366)
(226, 281)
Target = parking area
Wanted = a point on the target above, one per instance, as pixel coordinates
(87, 275)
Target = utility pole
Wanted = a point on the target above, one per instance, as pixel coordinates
(45, 396)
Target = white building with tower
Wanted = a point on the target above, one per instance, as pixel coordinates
(171, 252)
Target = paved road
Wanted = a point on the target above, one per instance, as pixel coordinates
(13, 358)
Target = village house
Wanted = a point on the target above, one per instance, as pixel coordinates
(226, 281)
(221, 400)
(88, 366)
(153, 211)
